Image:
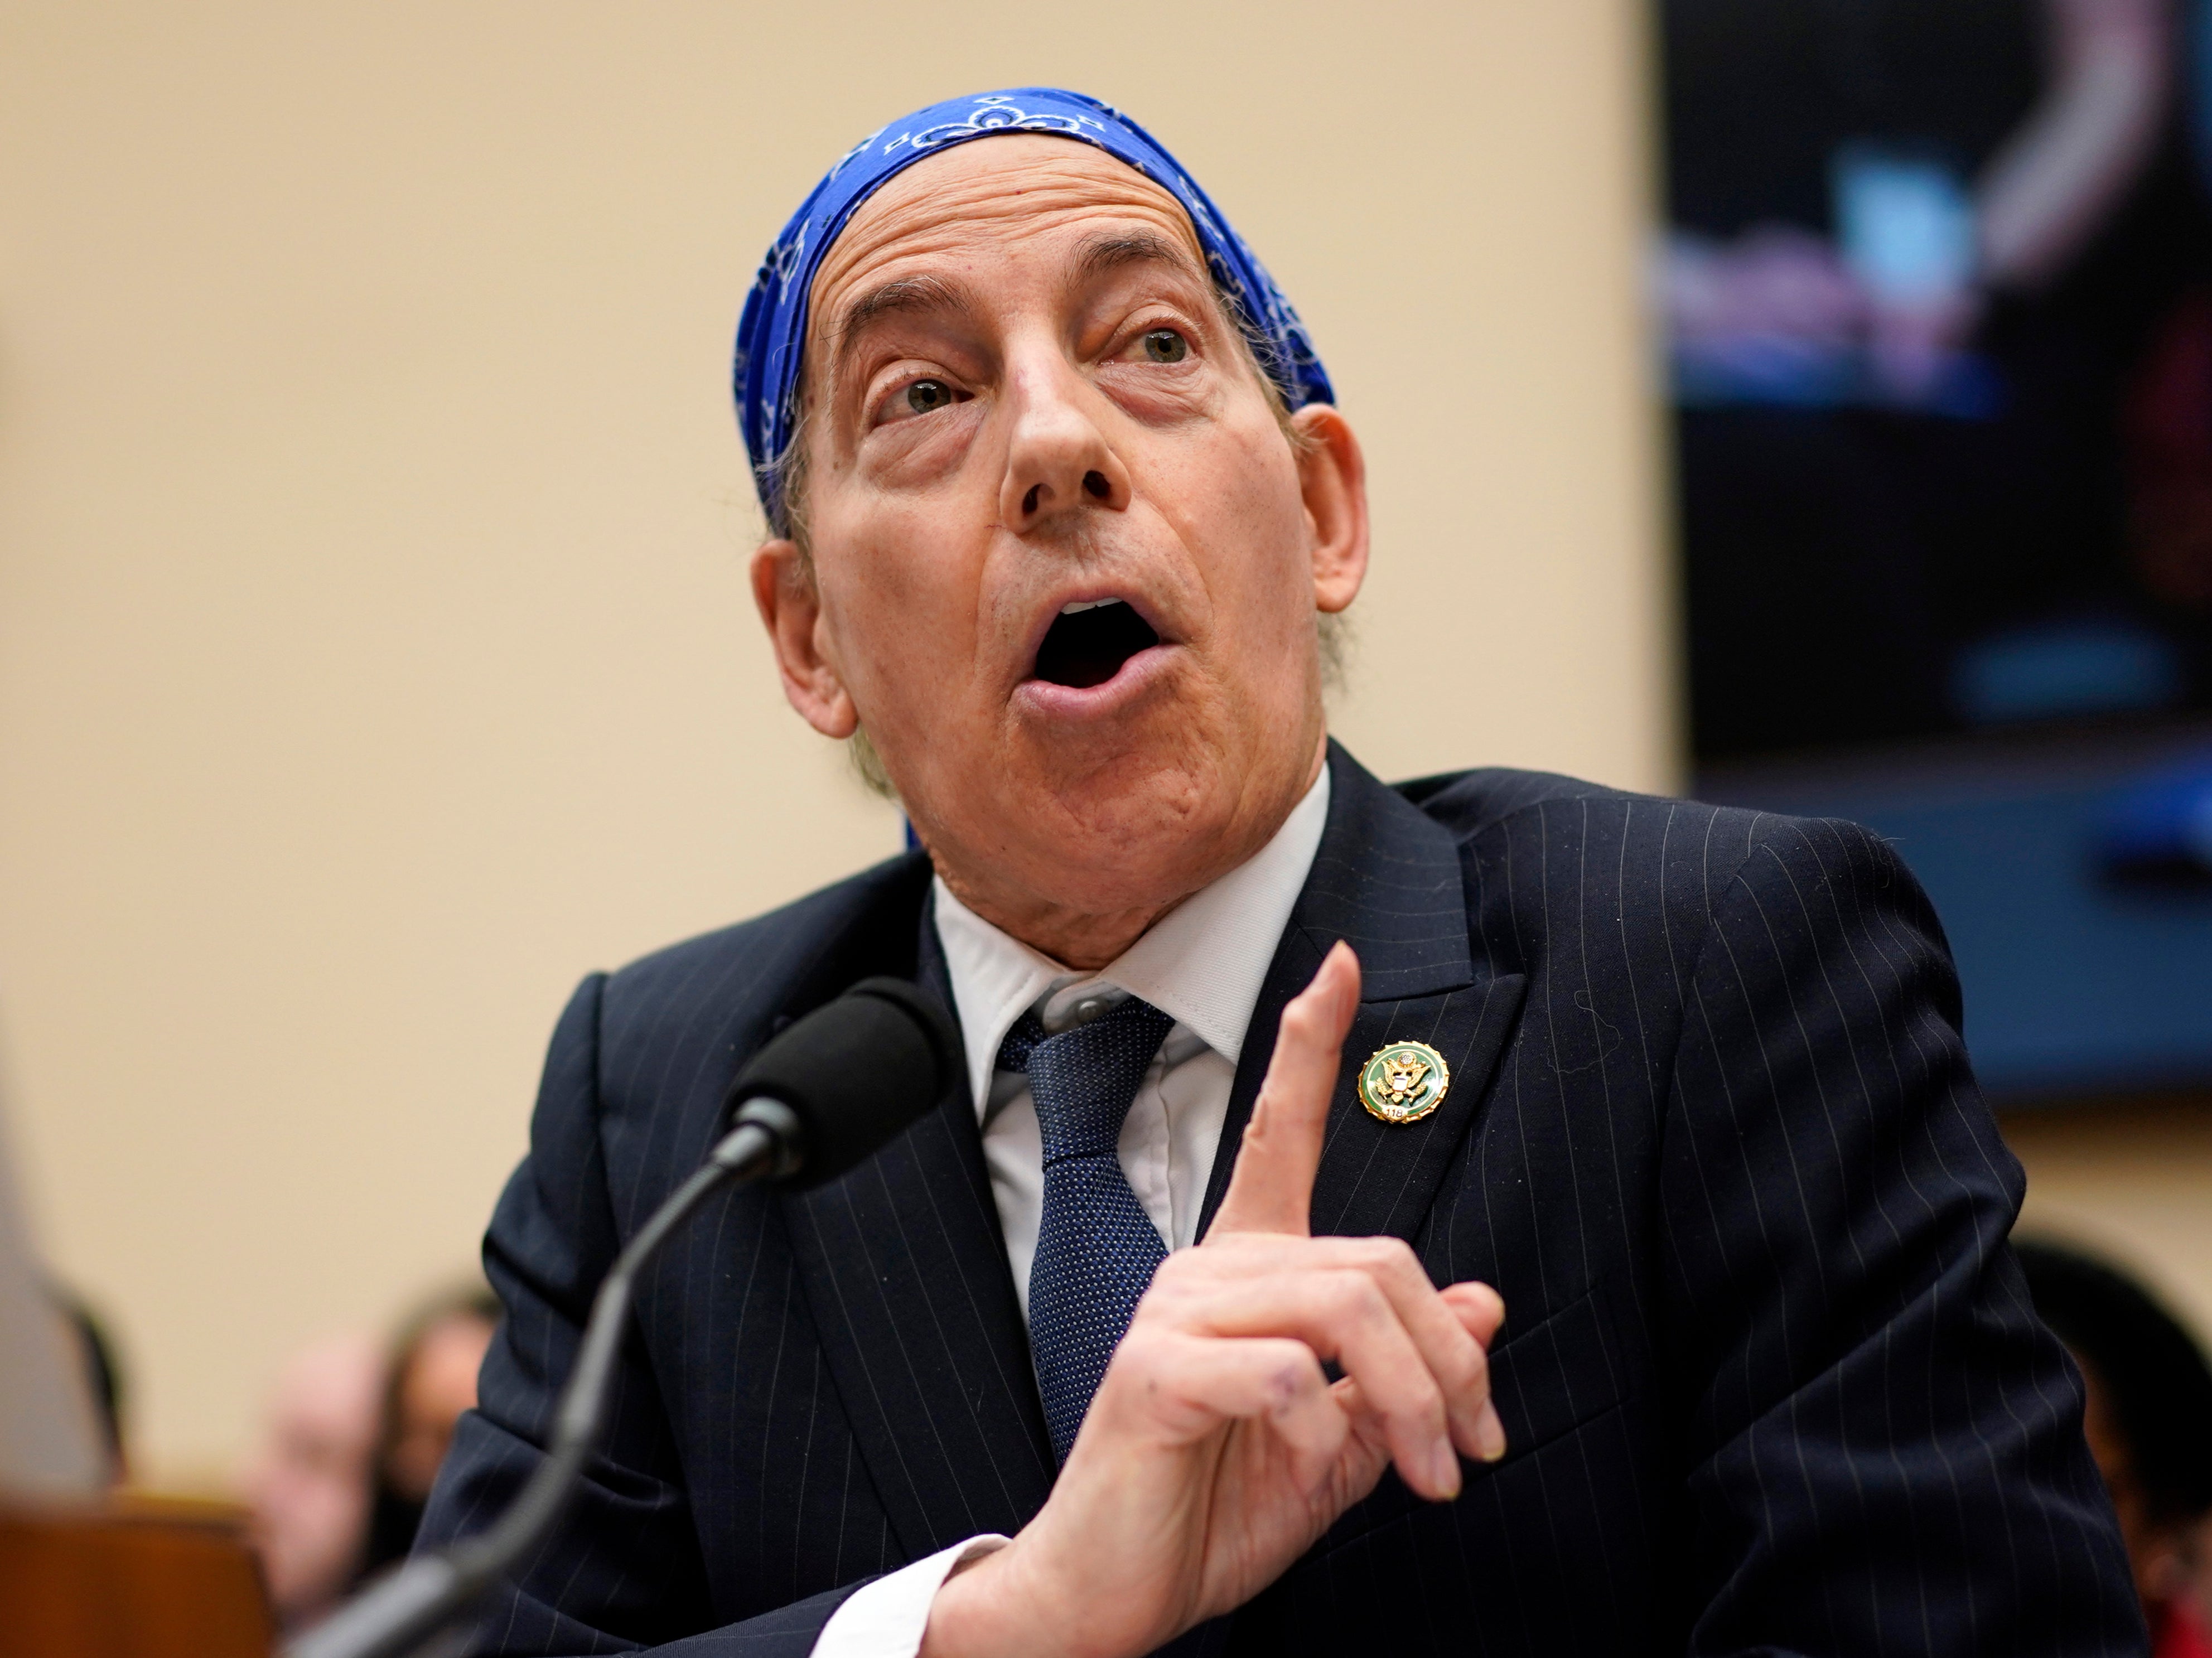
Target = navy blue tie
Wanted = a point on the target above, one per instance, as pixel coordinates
(1096, 1249)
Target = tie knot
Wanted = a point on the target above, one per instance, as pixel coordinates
(1084, 1080)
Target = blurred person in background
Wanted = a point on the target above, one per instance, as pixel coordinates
(308, 1482)
(2149, 1420)
(103, 1374)
(429, 1379)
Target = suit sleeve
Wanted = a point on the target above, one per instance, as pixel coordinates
(1884, 1449)
(622, 1572)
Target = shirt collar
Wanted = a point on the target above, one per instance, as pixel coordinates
(1202, 964)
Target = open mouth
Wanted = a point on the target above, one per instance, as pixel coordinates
(1088, 642)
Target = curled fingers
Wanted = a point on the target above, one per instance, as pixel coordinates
(1368, 1304)
(1343, 1315)
(1189, 1383)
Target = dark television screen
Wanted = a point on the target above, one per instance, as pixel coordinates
(1935, 279)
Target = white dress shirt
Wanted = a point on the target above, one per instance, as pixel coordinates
(1201, 964)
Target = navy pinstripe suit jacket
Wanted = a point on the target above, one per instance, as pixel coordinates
(1771, 1377)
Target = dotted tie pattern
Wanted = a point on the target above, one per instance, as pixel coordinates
(1096, 1249)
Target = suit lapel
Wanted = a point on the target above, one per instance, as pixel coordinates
(905, 1273)
(1387, 880)
(1379, 1178)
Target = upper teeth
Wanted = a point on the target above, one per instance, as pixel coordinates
(1087, 604)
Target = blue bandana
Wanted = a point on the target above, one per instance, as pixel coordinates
(772, 335)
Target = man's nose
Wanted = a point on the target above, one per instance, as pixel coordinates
(1058, 463)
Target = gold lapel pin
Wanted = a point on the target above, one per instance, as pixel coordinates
(1403, 1082)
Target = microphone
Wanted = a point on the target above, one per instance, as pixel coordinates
(819, 1098)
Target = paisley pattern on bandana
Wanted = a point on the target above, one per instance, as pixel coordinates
(772, 335)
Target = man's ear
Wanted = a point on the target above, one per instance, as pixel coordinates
(790, 609)
(1333, 478)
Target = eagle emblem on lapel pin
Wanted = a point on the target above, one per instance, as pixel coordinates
(1403, 1082)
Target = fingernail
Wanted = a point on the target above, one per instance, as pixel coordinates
(1490, 1434)
(1443, 1465)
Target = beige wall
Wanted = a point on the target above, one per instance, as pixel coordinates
(374, 658)
(2131, 1182)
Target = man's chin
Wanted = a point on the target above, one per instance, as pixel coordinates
(1140, 828)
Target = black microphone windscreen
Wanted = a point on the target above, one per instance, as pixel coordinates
(855, 1072)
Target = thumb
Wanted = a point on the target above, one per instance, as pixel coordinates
(1271, 1189)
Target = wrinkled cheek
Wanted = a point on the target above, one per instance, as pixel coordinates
(898, 627)
(1261, 516)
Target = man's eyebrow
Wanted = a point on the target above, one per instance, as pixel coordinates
(1111, 251)
(902, 296)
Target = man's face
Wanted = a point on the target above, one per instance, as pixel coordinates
(1066, 563)
(439, 1383)
(308, 1483)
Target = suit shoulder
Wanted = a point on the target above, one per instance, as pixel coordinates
(1474, 804)
(1642, 852)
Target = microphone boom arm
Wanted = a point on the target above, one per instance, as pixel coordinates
(808, 1115)
(412, 1605)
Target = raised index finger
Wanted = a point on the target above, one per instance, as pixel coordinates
(1271, 1189)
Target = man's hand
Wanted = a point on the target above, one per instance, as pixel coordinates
(1217, 1450)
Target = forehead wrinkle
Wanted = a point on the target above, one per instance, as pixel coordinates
(1110, 251)
(1059, 178)
(1098, 255)
(1022, 181)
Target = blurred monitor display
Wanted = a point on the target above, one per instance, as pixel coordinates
(1935, 282)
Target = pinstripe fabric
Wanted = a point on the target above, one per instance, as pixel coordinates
(1771, 1377)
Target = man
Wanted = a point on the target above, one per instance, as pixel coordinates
(1260, 1055)
(306, 1483)
(430, 1373)
(2148, 1422)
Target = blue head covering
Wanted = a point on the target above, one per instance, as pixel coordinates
(772, 335)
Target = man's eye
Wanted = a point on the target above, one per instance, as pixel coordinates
(1166, 345)
(926, 397)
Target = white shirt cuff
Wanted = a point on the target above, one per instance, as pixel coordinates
(888, 1618)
